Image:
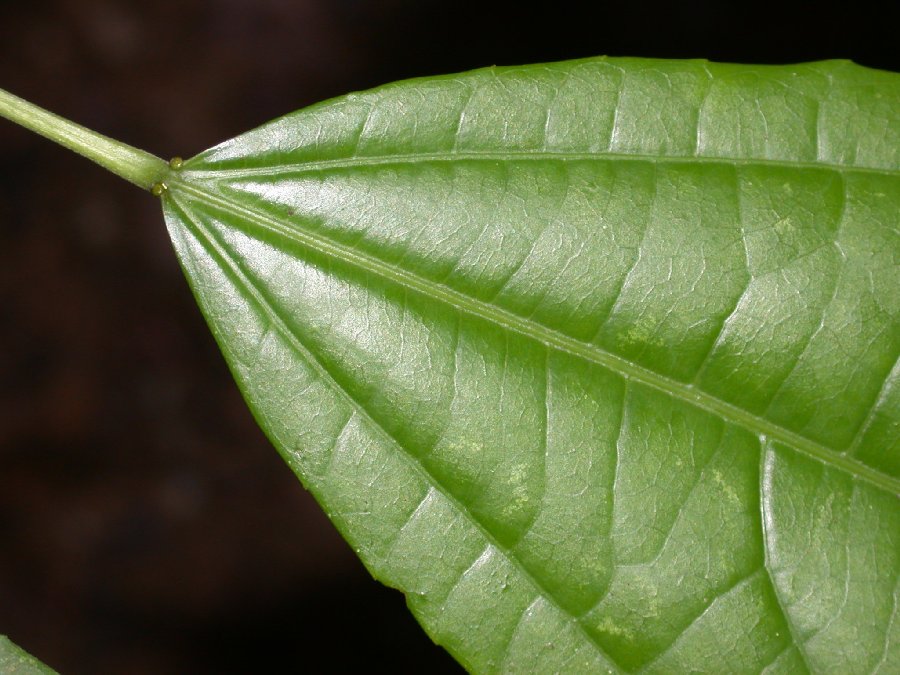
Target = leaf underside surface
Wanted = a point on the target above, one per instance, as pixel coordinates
(596, 361)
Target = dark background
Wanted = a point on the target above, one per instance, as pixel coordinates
(146, 525)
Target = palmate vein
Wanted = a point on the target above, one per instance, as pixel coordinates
(248, 288)
(761, 427)
(521, 155)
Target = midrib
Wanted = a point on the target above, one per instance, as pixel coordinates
(522, 155)
(761, 427)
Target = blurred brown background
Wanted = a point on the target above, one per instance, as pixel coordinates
(146, 525)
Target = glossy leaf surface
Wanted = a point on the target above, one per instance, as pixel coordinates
(595, 361)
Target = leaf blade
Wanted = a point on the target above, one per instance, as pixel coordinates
(439, 357)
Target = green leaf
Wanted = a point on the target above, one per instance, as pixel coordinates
(15, 661)
(595, 361)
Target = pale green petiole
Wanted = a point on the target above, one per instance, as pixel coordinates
(136, 166)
